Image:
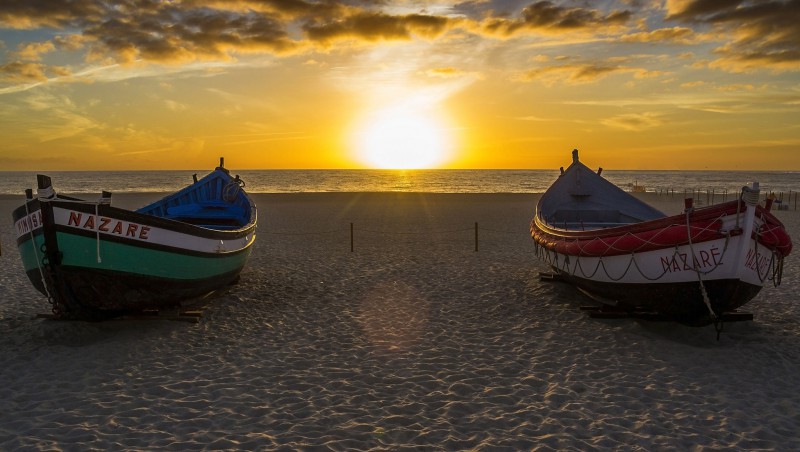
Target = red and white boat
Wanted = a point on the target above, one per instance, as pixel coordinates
(693, 267)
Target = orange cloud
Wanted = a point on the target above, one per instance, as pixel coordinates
(444, 72)
(70, 41)
(574, 73)
(677, 35)
(287, 9)
(762, 35)
(18, 71)
(634, 122)
(33, 51)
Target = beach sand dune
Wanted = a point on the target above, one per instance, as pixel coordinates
(412, 340)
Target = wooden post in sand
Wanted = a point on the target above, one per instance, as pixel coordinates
(351, 237)
(476, 236)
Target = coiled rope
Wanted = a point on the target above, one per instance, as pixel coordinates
(232, 189)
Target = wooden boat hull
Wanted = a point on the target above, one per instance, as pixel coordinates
(94, 261)
(665, 281)
(692, 267)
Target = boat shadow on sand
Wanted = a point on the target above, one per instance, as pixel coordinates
(734, 326)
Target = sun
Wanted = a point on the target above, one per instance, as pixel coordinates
(401, 138)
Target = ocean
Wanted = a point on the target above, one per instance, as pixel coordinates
(428, 181)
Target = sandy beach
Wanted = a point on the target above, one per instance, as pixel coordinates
(413, 340)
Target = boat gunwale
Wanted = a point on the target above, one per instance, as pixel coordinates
(698, 214)
(134, 216)
(700, 218)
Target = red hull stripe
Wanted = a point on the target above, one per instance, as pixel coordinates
(667, 232)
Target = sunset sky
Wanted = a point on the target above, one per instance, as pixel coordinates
(633, 84)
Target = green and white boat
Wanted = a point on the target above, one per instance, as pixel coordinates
(94, 261)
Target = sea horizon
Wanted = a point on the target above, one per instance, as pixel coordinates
(412, 180)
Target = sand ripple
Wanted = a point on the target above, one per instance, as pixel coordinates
(411, 342)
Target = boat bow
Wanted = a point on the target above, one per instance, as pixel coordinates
(93, 260)
(702, 262)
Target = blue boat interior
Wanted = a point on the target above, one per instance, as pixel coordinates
(216, 201)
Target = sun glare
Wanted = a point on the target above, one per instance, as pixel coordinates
(403, 139)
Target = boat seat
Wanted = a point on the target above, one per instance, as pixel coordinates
(587, 216)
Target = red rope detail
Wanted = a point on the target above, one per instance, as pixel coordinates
(659, 234)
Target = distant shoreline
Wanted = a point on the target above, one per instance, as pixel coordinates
(415, 181)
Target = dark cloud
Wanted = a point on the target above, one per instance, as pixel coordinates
(377, 27)
(547, 16)
(181, 31)
(480, 9)
(287, 9)
(759, 33)
(30, 14)
(700, 10)
(765, 34)
(18, 71)
(170, 35)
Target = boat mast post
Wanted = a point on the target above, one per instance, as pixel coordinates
(750, 198)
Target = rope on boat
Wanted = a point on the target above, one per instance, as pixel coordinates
(96, 205)
(589, 247)
(764, 229)
(776, 263)
(232, 189)
(71, 201)
(632, 262)
(750, 195)
(777, 273)
(97, 232)
(695, 267)
(36, 256)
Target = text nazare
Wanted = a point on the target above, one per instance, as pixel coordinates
(108, 225)
(684, 261)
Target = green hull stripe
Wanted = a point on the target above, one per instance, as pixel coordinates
(80, 251)
(26, 251)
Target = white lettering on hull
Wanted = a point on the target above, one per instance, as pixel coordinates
(107, 225)
(110, 226)
(28, 224)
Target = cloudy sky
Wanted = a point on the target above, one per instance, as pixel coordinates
(634, 84)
